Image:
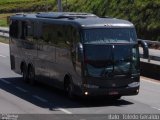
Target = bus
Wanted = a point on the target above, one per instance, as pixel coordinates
(80, 53)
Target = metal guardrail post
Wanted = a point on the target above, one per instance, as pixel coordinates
(60, 6)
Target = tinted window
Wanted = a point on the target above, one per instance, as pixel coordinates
(29, 30)
(14, 29)
(109, 35)
(118, 59)
(54, 34)
(23, 27)
(60, 35)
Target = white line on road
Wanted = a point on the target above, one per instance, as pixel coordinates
(5, 81)
(3, 56)
(64, 110)
(156, 108)
(39, 98)
(21, 89)
(150, 81)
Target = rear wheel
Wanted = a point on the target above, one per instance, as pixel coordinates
(31, 75)
(24, 73)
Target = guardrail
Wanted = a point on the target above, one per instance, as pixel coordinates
(151, 42)
(154, 54)
(4, 32)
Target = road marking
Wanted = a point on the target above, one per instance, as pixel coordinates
(5, 81)
(21, 89)
(150, 81)
(64, 110)
(3, 56)
(156, 108)
(39, 98)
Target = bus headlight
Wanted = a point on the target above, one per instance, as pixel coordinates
(90, 86)
(134, 84)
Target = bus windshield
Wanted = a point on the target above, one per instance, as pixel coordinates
(109, 35)
(104, 59)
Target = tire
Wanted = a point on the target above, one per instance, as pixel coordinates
(31, 75)
(24, 73)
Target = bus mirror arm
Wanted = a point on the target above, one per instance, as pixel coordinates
(144, 45)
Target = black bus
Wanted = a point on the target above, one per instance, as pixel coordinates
(81, 53)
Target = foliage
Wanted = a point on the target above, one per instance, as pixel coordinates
(10, 6)
(145, 14)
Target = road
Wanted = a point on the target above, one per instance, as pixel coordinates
(17, 97)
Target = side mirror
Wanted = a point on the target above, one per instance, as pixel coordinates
(145, 48)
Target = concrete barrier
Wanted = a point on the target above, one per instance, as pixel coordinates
(150, 70)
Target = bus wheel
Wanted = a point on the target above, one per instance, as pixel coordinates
(25, 73)
(31, 75)
(69, 90)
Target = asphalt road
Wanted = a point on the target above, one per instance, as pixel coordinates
(17, 97)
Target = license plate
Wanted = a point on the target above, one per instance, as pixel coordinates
(113, 93)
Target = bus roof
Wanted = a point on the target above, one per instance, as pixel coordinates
(81, 19)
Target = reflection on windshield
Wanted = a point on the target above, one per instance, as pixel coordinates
(122, 59)
(109, 35)
(106, 60)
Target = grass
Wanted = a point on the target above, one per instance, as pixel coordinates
(3, 22)
(4, 40)
(10, 6)
(3, 19)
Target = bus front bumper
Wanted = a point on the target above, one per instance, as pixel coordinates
(127, 91)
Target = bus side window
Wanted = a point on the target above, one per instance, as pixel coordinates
(23, 27)
(61, 36)
(29, 31)
(14, 29)
(48, 33)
